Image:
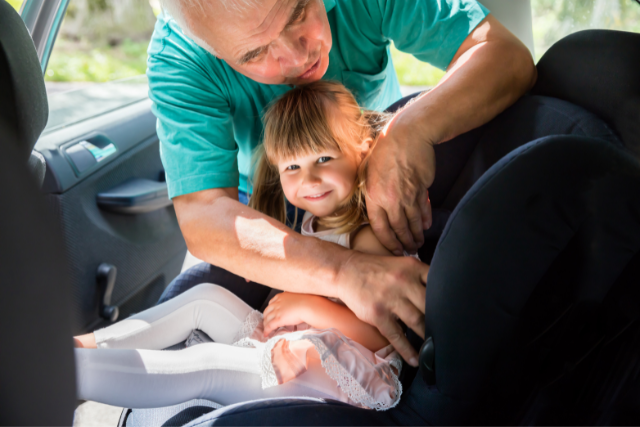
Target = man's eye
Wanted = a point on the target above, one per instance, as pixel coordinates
(258, 56)
(324, 159)
(292, 167)
(299, 17)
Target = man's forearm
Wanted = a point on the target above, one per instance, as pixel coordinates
(491, 71)
(228, 234)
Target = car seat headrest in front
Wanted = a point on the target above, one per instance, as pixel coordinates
(23, 98)
(529, 259)
(597, 70)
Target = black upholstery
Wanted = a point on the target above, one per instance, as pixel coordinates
(533, 251)
(37, 374)
(598, 70)
(24, 109)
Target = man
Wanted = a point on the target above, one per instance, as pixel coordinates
(215, 66)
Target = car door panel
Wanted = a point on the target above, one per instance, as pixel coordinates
(146, 248)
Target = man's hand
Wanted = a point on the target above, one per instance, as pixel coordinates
(380, 290)
(402, 165)
(400, 172)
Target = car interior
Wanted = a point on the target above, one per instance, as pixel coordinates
(541, 326)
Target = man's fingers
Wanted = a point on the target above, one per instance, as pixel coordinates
(425, 209)
(418, 294)
(424, 274)
(382, 230)
(398, 222)
(413, 317)
(414, 218)
(392, 331)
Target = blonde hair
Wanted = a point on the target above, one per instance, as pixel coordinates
(298, 123)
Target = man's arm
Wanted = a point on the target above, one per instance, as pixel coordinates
(489, 72)
(224, 232)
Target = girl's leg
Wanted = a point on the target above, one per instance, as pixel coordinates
(207, 307)
(151, 378)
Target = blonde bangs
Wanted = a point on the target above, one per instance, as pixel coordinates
(298, 125)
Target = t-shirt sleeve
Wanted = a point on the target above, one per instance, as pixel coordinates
(194, 125)
(430, 30)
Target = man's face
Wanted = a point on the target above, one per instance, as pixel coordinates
(274, 42)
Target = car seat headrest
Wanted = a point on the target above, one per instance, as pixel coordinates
(23, 98)
(598, 70)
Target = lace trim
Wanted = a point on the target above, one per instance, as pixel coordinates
(334, 369)
(268, 374)
(250, 323)
(348, 383)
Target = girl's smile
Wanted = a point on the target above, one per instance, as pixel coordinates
(318, 196)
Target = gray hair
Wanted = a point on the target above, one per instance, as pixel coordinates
(176, 8)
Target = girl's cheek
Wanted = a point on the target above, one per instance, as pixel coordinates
(288, 187)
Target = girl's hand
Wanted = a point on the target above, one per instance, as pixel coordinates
(286, 308)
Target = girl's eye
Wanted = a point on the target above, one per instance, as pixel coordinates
(292, 167)
(324, 159)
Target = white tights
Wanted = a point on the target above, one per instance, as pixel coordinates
(129, 369)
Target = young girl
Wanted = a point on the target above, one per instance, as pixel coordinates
(316, 145)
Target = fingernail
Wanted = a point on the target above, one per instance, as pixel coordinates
(398, 252)
(413, 361)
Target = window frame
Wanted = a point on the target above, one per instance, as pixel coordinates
(43, 19)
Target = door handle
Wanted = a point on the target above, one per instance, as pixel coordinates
(135, 197)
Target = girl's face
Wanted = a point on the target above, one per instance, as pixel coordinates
(320, 182)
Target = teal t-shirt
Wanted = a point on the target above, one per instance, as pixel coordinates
(209, 115)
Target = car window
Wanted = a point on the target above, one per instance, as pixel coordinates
(552, 20)
(98, 62)
(555, 19)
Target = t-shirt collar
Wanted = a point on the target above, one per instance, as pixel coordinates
(329, 4)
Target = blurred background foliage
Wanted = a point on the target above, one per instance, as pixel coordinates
(15, 3)
(103, 40)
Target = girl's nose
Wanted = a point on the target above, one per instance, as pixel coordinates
(311, 178)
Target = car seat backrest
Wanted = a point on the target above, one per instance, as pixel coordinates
(37, 374)
(525, 282)
(23, 98)
(598, 70)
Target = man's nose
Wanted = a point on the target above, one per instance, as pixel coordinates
(292, 52)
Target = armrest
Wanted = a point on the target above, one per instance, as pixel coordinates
(135, 197)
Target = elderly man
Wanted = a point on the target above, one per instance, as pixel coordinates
(215, 64)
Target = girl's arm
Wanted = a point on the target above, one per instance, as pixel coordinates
(289, 309)
(365, 241)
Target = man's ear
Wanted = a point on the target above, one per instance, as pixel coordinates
(365, 147)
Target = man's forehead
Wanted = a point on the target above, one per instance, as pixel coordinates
(252, 17)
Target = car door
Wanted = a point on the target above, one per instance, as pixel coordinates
(104, 179)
